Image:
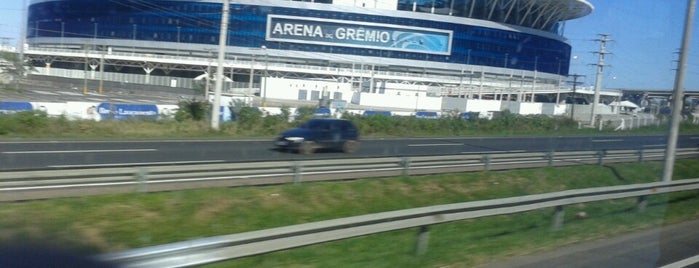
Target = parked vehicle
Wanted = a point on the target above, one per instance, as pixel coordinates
(320, 133)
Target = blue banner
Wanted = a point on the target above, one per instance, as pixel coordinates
(358, 34)
(9, 107)
(127, 111)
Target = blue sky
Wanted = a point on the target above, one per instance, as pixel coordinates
(646, 35)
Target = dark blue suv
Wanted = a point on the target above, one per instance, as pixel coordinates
(320, 133)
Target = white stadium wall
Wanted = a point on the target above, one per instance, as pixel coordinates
(409, 102)
(482, 106)
(290, 89)
(554, 109)
(525, 108)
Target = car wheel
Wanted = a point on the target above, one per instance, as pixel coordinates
(350, 146)
(306, 147)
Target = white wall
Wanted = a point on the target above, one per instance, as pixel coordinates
(482, 106)
(525, 108)
(401, 101)
(288, 89)
(554, 109)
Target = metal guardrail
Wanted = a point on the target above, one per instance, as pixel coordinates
(27, 185)
(220, 248)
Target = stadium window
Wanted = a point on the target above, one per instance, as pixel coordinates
(303, 94)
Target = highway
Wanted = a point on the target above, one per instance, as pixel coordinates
(33, 155)
(657, 247)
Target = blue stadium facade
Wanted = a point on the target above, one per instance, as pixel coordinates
(409, 36)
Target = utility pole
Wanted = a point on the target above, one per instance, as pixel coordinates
(223, 36)
(23, 34)
(678, 93)
(604, 38)
(575, 83)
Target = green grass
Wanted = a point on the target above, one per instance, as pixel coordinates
(37, 125)
(118, 222)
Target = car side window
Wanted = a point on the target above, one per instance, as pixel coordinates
(346, 126)
(314, 125)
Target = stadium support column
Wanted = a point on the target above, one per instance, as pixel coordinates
(223, 36)
(470, 84)
(480, 88)
(677, 101)
(536, 72)
(148, 68)
(133, 40)
(371, 80)
(63, 31)
(100, 89)
(600, 69)
(558, 87)
(264, 87)
(85, 70)
(252, 74)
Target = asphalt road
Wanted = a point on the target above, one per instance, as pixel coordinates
(25, 155)
(656, 247)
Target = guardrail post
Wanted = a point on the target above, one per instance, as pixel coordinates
(405, 163)
(142, 178)
(550, 155)
(486, 161)
(642, 204)
(558, 215)
(297, 169)
(640, 155)
(423, 239)
(600, 157)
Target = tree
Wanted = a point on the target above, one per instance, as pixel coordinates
(12, 67)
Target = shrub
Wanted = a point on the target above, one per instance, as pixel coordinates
(24, 122)
(197, 110)
(249, 117)
(304, 113)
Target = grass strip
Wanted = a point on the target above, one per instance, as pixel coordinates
(118, 222)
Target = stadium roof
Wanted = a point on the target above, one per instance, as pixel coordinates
(537, 14)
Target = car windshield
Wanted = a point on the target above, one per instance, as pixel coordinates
(350, 133)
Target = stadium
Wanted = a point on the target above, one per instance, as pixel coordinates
(401, 55)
